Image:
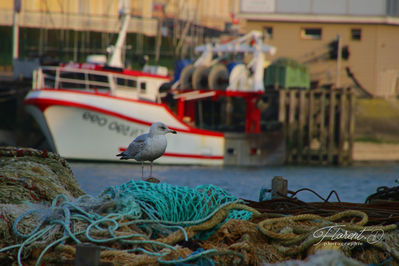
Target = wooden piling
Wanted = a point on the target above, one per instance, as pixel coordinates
(351, 122)
(301, 125)
(291, 125)
(279, 187)
(322, 135)
(331, 128)
(318, 125)
(310, 126)
(282, 105)
(342, 122)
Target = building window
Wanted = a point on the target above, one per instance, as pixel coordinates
(311, 33)
(268, 33)
(356, 34)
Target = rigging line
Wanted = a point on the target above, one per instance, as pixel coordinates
(315, 193)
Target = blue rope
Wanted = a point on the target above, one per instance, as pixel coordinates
(201, 254)
(202, 261)
(34, 231)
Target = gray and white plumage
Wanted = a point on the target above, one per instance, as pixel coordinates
(149, 146)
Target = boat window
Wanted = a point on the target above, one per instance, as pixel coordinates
(131, 83)
(120, 81)
(143, 86)
(71, 80)
(72, 75)
(99, 78)
(126, 83)
(49, 78)
(98, 82)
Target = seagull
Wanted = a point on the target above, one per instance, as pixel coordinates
(149, 146)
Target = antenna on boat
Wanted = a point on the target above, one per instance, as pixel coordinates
(115, 59)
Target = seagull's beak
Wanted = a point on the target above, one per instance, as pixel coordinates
(172, 131)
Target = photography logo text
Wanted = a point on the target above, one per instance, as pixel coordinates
(349, 237)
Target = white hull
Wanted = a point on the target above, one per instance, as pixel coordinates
(93, 126)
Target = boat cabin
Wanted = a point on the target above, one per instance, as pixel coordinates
(101, 79)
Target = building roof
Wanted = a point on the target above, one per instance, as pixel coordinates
(327, 11)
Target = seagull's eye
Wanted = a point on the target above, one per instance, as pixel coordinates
(162, 127)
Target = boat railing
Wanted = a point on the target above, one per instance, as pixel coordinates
(63, 78)
(83, 79)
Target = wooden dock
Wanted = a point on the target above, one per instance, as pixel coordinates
(318, 125)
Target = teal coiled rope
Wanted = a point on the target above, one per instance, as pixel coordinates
(165, 202)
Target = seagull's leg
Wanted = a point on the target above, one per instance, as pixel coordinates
(151, 169)
(142, 169)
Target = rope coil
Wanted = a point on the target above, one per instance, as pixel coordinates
(306, 238)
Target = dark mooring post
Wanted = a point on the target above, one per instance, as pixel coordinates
(322, 134)
(87, 254)
(301, 125)
(292, 125)
(351, 122)
(310, 126)
(279, 187)
(331, 128)
(342, 158)
(282, 105)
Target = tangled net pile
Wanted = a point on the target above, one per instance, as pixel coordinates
(141, 223)
(135, 218)
(167, 203)
(32, 175)
(44, 216)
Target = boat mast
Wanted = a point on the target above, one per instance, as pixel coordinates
(115, 59)
(15, 30)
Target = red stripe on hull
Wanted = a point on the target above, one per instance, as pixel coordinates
(186, 155)
(195, 156)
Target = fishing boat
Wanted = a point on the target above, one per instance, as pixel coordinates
(93, 110)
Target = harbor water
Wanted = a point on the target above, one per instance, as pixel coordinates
(352, 183)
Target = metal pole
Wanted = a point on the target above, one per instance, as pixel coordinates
(339, 61)
(75, 46)
(15, 30)
(158, 41)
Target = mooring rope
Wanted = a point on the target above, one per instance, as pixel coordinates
(295, 233)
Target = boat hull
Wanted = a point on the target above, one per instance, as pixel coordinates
(90, 126)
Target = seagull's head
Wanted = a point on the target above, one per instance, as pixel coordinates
(159, 128)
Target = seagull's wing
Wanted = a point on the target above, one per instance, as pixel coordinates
(136, 146)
